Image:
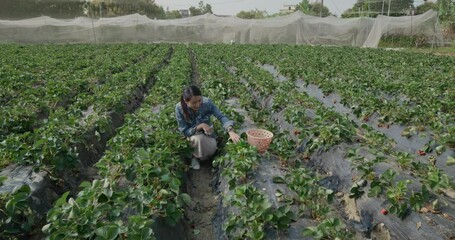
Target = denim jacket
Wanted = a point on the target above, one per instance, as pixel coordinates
(206, 110)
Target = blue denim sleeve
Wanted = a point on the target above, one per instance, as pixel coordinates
(183, 126)
(218, 114)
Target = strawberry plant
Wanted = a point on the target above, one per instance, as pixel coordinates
(397, 196)
(16, 215)
(418, 199)
(148, 167)
(239, 160)
(379, 185)
(404, 160)
(331, 228)
(54, 102)
(255, 210)
(313, 196)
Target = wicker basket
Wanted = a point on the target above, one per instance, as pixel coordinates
(260, 138)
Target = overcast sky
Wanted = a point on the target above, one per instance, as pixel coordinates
(232, 7)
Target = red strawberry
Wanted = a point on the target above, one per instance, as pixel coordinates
(384, 211)
(421, 153)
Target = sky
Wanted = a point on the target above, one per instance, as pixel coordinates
(232, 7)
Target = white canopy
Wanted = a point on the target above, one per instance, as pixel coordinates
(296, 28)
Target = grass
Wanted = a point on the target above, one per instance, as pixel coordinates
(450, 51)
(415, 45)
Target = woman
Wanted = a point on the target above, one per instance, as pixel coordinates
(193, 114)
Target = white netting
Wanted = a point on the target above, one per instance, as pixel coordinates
(296, 28)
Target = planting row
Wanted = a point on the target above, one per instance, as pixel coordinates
(40, 80)
(70, 141)
(141, 171)
(410, 89)
(55, 142)
(139, 175)
(325, 177)
(317, 129)
(248, 208)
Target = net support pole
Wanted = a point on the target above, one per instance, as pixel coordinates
(93, 27)
(322, 6)
(388, 11)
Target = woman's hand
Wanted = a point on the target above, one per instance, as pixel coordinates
(206, 128)
(234, 137)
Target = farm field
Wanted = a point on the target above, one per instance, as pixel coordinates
(363, 147)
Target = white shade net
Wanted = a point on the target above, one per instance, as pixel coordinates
(296, 28)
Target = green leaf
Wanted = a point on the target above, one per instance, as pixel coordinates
(109, 232)
(103, 198)
(142, 154)
(146, 233)
(163, 192)
(440, 150)
(175, 185)
(9, 206)
(45, 229)
(278, 179)
(2, 179)
(96, 183)
(186, 198)
(85, 184)
(356, 191)
(405, 133)
(313, 232)
(22, 188)
(165, 178)
(266, 205)
(375, 191)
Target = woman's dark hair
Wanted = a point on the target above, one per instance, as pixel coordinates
(187, 94)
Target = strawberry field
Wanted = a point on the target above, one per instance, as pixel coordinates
(363, 143)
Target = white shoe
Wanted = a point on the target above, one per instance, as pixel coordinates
(195, 164)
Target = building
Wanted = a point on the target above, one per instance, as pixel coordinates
(288, 8)
(184, 13)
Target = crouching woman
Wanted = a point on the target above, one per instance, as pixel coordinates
(193, 114)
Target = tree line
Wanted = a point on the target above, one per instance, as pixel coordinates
(362, 8)
(20, 9)
(64, 9)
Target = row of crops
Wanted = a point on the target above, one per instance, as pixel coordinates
(379, 168)
(114, 104)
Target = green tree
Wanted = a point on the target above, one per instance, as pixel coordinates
(400, 7)
(201, 9)
(113, 8)
(253, 14)
(207, 8)
(315, 9)
(304, 6)
(195, 11)
(20, 9)
(173, 14)
(446, 9)
(372, 8)
(319, 10)
(425, 7)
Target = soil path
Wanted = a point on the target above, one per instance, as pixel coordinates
(199, 217)
(203, 210)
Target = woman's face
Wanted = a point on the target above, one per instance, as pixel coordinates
(194, 102)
